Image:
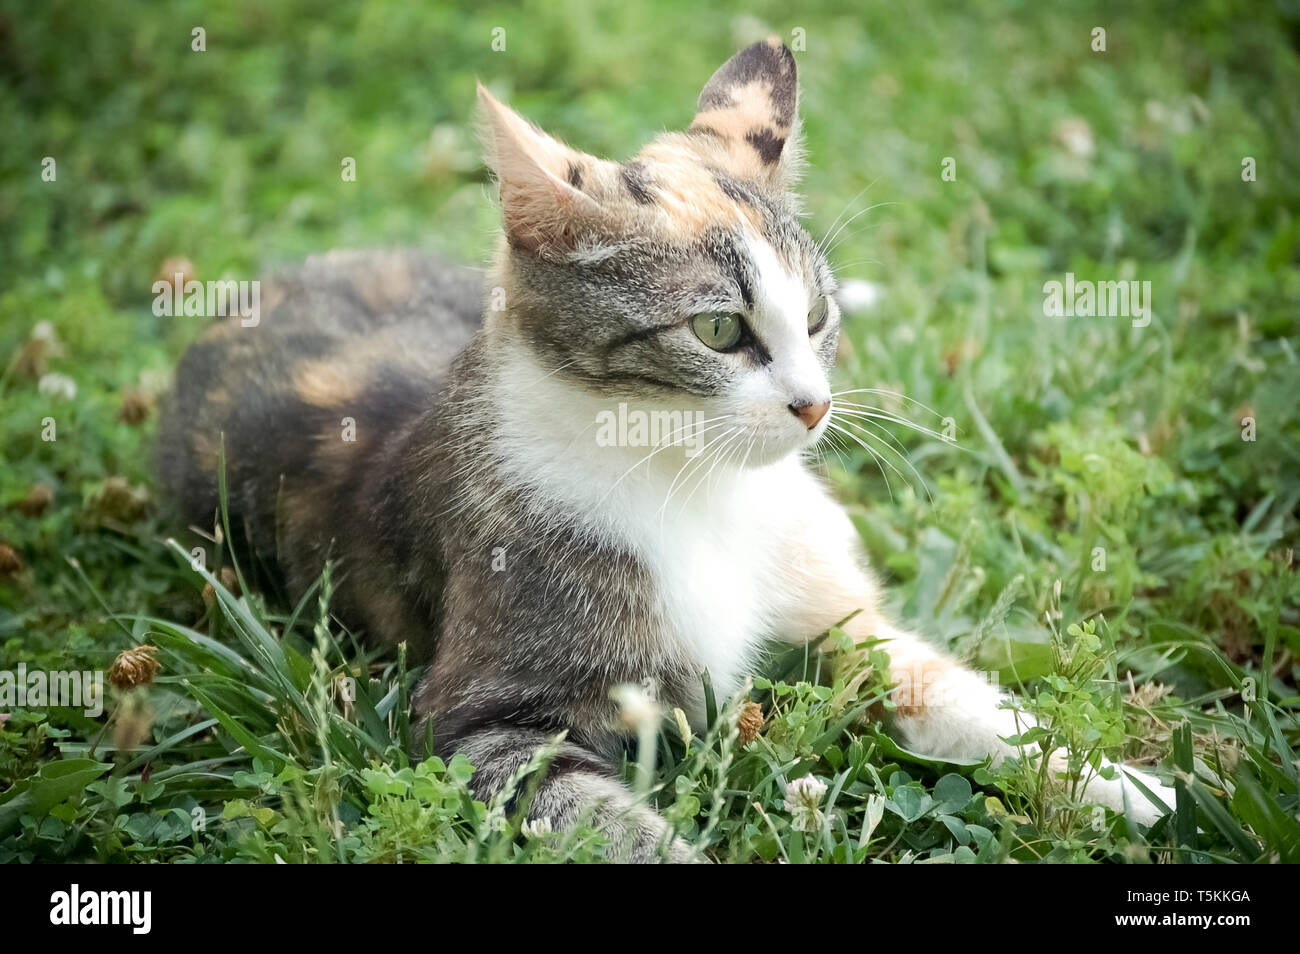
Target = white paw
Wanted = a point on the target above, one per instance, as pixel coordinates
(1122, 795)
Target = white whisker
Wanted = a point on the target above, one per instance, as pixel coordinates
(870, 450)
(879, 414)
(713, 424)
(888, 393)
(897, 448)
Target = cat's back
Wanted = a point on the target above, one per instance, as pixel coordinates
(348, 292)
(343, 351)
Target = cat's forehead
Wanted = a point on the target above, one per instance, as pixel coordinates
(674, 196)
(692, 189)
(676, 189)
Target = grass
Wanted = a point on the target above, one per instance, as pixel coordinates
(1101, 535)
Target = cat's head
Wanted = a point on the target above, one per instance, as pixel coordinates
(681, 279)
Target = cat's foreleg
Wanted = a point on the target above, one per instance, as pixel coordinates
(940, 709)
(944, 710)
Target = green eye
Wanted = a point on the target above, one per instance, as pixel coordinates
(718, 329)
(817, 315)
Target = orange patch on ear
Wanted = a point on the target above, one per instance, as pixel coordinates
(739, 157)
(751, 104)
(540, 207)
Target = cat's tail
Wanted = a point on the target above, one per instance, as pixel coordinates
(946, 711)
(576, 788)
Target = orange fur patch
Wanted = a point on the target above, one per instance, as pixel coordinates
(327, 383)
(207, 452)
(386, 286)
(686, 191)
(918, 684)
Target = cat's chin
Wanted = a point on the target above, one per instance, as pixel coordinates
(772, 455)
(765, 453)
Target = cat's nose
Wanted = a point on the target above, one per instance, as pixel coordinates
(811, 414)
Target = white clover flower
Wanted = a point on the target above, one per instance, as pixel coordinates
(57, 386)
(637, 707)
(803, 799)
(536, 828)
(1075, 136)
(857, 296)
(43, 331)
(155, 380)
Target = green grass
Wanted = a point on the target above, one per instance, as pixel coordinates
(1073, 434)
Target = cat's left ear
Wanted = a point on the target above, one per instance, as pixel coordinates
(544, 210)
(752, 104)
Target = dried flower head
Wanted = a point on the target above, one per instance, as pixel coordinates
(750, 723)
(134, 667)
(37, 501)
(176, 269)
(10, 563)
(135, 407)
(118, 500)
(1146, 695)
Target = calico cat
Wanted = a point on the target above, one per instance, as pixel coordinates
(473, 512)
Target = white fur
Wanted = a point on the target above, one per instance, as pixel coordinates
(1121, 795)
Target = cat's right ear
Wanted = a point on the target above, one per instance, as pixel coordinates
(752, 104)
(542, 210)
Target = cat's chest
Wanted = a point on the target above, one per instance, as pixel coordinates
(717, 564)
(713, 598)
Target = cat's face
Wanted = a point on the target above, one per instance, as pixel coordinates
(680, 280)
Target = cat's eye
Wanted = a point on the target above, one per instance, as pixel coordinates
(718, 329)
(817, 315)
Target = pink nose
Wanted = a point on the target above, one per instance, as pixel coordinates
(810, 414)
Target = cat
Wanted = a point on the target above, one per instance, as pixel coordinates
(471, 511)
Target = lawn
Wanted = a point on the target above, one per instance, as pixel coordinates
(1110, 532)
